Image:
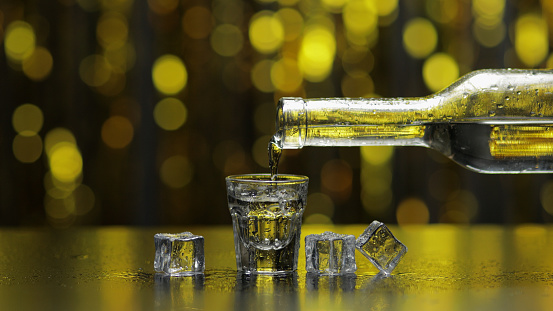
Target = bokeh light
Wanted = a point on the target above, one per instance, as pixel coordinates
(317, 53)
(117, 132)
(292, 23)
(112, 30)
(227, 40)
(121, 59)
(169, 74)
(266, 32)
(419, 37)
(386, 7)
(58, 189)
(65, 161)
(228, 12)
(488, 27)
(286, 75)
(38, 65)
(19, 41)
(95, 70)
(531, 39)
(64, 158)
(59, 208)
(170, 114)
(491, 10)
(412, 211)
(489, 35)
(27, 149)
(357, 61)
(56, 136)
(176, 171)
(377, 155)
(360, 17)
(357, 86)
(439, 71)
(261, 76)
(442, 11)
(27, 120)
(334, 6)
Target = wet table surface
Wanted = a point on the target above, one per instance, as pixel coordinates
(111, 268)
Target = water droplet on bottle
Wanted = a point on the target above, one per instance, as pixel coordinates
(519, 92)
(500, 106)
(510, 87)
(507, 98)
(465, 95)
(430, 115)
(491, 113)
(494, 87)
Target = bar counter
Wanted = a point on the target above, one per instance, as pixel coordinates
(484, 267)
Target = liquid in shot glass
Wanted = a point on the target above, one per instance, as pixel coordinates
(267, 215)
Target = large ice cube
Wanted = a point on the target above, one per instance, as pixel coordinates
(179, 253)
(330, 253)
(379, 245)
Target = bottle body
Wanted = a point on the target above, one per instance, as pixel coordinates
(490, 121)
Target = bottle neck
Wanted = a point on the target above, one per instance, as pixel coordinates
(353, 122)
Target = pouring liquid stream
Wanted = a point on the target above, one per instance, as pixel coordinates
(275, 151)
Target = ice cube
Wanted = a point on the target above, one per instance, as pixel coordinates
(179, 253)
(379, 245)
(330, 253)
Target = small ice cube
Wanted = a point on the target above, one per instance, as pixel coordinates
(179, 253)
(330, 253)
(380, 246)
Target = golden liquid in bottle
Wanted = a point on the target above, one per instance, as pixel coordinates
(494, 130)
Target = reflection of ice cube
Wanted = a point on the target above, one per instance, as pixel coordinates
(179, 254)
(330, 253)
(380, 246)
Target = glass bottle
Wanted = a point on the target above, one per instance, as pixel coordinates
(489, 121)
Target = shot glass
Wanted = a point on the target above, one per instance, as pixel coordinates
(266, 216)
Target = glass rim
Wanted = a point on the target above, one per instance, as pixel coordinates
(265, 178)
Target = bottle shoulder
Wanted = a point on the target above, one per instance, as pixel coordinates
(501, 80)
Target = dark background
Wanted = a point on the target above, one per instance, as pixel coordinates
(135, 172)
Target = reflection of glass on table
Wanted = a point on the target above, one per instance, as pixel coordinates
(266, 216)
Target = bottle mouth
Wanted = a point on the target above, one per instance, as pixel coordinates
(291, 122)
(263, 178)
